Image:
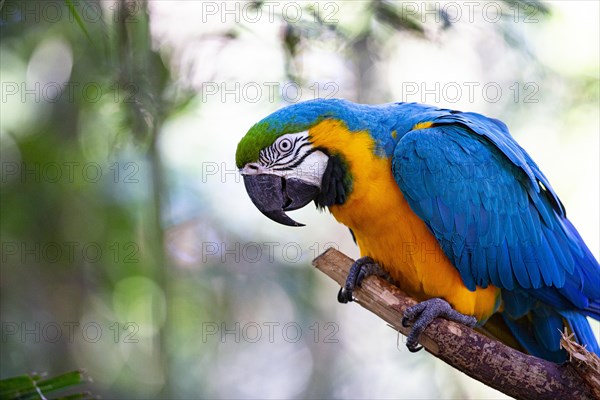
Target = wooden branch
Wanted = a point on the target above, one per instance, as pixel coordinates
(487, 360)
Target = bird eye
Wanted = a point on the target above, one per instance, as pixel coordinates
(284, 145)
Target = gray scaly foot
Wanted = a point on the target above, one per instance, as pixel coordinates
(422, 314)
(359, 270)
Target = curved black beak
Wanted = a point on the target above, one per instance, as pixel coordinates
(273, 195)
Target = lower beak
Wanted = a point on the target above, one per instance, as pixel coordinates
(273, 195)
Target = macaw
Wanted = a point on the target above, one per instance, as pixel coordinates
(445, 203)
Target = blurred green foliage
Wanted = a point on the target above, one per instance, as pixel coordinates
(36, 387)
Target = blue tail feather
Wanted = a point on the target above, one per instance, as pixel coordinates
(548, 326)
(539, 332)
(582, 330)
(523, 330)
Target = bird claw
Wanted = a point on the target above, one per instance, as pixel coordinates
(359, 270)
(344, 296)
(423, 314)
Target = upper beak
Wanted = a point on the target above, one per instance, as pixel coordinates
(273, 195)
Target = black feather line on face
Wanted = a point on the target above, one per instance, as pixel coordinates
(272, 157)
(336, 183)
(298, 162)
(293, 162)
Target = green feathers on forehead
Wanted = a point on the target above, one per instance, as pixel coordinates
(261, 135)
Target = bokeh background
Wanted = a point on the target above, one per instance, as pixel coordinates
(129, 247)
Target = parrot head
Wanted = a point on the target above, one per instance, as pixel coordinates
(284, 169)
(286, 176)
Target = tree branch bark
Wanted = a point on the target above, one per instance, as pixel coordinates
(487, 360)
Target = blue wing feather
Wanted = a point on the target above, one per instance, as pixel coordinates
(499, 221)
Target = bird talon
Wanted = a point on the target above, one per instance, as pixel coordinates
(360, 269)
(415, 349)
(344, 295)
(422, 315)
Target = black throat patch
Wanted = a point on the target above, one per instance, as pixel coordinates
(336, 183)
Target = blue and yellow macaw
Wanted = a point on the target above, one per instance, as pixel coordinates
(445, 202)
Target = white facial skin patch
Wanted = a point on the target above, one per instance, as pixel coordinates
(291, 156)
